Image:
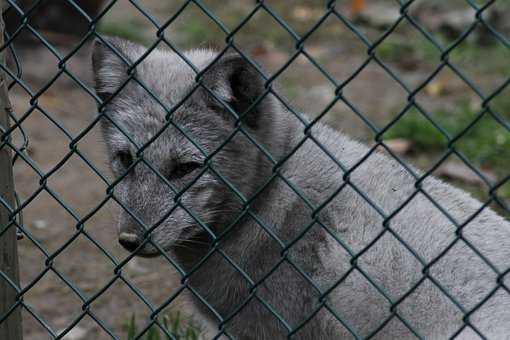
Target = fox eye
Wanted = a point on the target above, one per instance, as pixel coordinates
(125, 158)
(183, 169)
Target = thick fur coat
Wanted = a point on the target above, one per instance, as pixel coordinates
(369, 251)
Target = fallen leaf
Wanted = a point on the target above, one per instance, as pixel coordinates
(357, 6)
(434, 88)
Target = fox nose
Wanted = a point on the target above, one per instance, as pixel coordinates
(129, 241)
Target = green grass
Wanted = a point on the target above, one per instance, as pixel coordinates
(175, 324)
(407, 48)
(470, 55)
(504, 191)
(130, 29)
(486, 144)
(197, 30)
(410, 46)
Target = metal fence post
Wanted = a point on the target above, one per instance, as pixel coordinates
(10, 328)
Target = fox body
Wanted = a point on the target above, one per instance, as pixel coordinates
(366, 253)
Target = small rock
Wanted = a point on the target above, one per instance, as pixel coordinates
(459, 171)
(304, 13)
(379, 16)
(321, 93)
(399, 145)
(40, 224)
(76, 333)
(134, 266)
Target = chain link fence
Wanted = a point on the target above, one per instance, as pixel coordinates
(62, 309)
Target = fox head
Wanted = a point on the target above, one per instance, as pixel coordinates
(181, 146)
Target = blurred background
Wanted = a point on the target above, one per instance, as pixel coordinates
(52, 44)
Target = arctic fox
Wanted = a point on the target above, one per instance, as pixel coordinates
(289, 231)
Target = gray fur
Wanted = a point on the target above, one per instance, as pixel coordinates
(348, 216)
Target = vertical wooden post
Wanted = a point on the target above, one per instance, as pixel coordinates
(10, 328)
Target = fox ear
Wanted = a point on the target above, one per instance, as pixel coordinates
(237, 82)
(111, 58)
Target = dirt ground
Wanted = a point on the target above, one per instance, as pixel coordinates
(73, 191)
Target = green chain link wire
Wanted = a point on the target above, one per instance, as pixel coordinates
(329, 11)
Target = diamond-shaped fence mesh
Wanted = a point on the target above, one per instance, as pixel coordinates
(426, 81)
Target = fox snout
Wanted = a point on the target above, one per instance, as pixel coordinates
(129, 241)
(135, 242)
